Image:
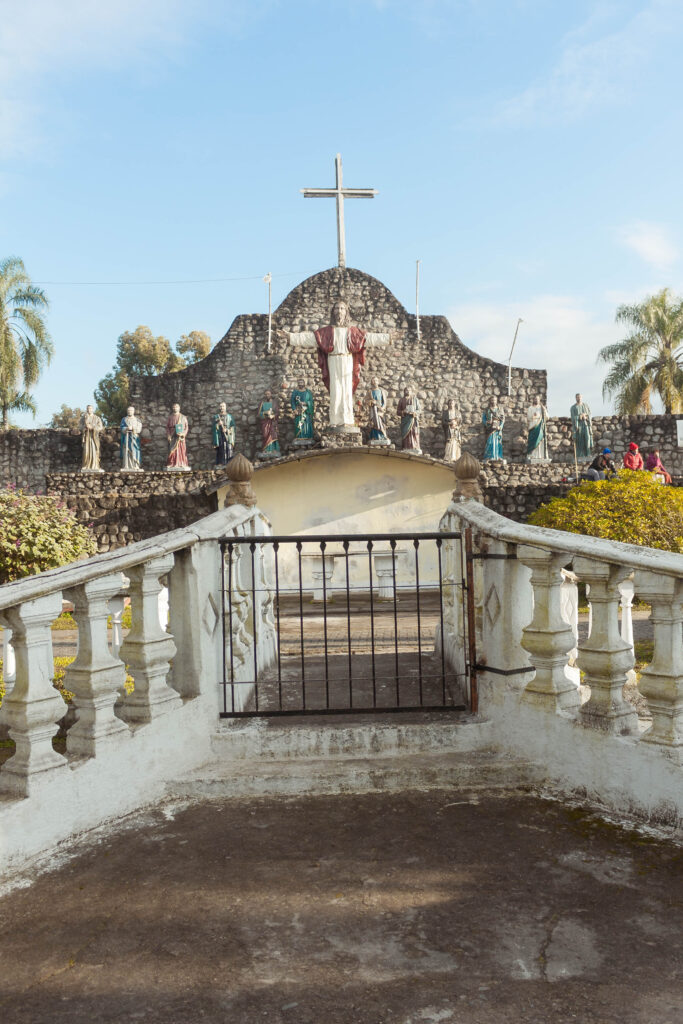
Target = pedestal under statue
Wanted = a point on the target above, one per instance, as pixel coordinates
(341, 351)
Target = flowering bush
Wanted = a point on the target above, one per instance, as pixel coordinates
(634, 507)
(38, 532)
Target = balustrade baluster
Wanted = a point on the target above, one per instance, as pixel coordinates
(95, 677)
(148, 649)
(33, 708)
(548, 638)
(661, 682)
(604, 656)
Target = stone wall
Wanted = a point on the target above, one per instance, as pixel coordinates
(28, 456)
(516, 490)
(616, 432)
(126, 507)
(240, 368)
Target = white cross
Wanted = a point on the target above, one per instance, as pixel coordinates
(339, 193)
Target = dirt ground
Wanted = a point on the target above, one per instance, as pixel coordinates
(420, 908)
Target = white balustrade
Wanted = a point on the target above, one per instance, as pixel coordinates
(9, 663)
(548, 638)
(661, 682)
(33, 708)
(148, 649)
(604, 656)
(627, 591)
(96, 677)
(116, 609)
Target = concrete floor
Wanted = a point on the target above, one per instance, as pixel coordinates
(419, 908)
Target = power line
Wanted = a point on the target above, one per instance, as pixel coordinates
(201, 280)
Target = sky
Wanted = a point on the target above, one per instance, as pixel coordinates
(528, 152)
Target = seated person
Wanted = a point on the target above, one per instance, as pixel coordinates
(654, 464)
(633, 459)
(601, 467)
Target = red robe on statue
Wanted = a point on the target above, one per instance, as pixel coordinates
(355, 343)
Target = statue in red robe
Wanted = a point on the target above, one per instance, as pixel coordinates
(176, 434)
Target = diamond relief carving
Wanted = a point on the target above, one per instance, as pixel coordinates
(492, 606)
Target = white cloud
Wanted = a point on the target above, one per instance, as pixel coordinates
(559, 335)
(652, 242)
(39, 38)
(594, 71)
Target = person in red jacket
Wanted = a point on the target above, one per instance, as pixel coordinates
(633, 459)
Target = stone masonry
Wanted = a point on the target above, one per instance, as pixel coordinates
(240, 368)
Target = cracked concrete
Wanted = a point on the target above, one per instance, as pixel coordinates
(408, 908)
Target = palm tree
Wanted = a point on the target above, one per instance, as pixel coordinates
(25, 345)
(649, 361)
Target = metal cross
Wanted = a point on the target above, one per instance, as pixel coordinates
(339, 193)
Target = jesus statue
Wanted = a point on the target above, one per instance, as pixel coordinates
(341, 353)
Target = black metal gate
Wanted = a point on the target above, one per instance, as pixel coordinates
(339, 624)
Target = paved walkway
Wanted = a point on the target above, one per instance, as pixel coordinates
(423, 908)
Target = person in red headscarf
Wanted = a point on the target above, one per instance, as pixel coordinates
(654, 464)
(633, 459)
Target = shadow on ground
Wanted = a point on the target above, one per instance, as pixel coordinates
(422, 908)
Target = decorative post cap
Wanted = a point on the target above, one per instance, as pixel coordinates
(467, 470)
(239, 472)
(239, 469)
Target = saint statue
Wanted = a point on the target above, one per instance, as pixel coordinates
(92, 427)
(129, 449)
(582, 429)
(451, 423)
(341, 353)
(409, 411)
(176, 434)
(223, 435)
(494, 420)
(377, 408)
(268, 414)
(537, 438)
(301, 401)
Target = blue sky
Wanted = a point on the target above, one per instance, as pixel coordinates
(528, 152)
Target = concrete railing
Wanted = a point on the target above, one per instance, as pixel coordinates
(123, 746)
(524, 636)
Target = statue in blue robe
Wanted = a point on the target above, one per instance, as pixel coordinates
(129, 448)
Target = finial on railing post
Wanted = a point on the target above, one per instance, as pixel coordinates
(467, 470)
(239, 472)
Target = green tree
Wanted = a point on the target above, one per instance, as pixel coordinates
(67, 418)
(142, 353)
(634, 508)
(194, 346)
(38, 532)
(648, 361)
(25, 345)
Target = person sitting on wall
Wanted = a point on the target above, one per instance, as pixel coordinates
(633, 459)
(601, 468)
(654, 464)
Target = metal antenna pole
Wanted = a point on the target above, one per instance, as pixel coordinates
(514, 341)
(269, 281)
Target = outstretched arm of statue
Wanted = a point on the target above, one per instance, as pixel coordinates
(302, 339)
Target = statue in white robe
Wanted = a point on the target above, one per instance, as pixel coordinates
(341, 353)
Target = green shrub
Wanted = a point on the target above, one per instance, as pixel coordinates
(634, 507)
(38, 532)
